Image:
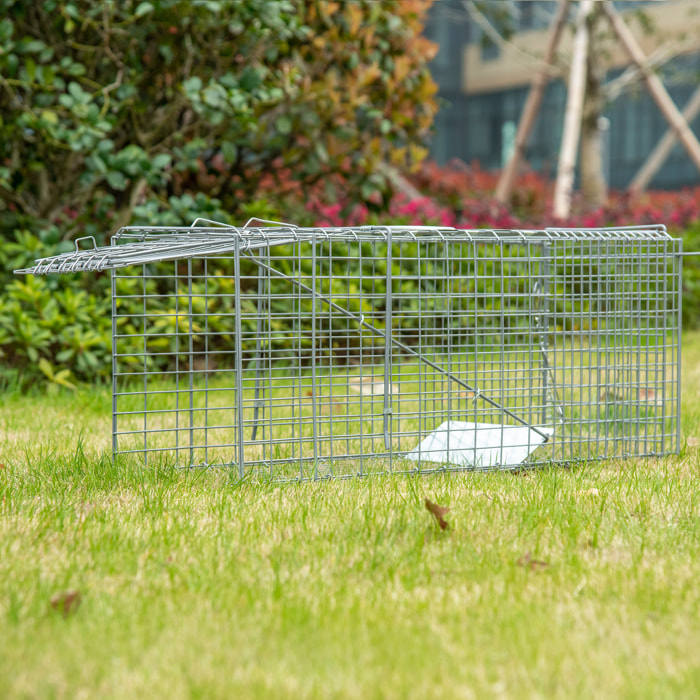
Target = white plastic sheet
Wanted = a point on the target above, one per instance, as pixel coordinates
(479, 445)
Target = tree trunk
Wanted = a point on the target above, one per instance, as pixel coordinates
(572, 118)
(593, 185)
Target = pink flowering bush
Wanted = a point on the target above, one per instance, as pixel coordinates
(462, 196)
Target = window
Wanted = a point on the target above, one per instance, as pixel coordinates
(489, 50)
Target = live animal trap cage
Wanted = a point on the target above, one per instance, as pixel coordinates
(310, 352)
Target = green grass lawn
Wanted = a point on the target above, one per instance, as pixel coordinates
(564, 583)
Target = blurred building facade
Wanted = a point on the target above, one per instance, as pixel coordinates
(483, 87)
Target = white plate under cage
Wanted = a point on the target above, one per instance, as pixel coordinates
(479, 445)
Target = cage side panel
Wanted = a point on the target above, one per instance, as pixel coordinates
(174, 379)
(315, 395)
(614, 348)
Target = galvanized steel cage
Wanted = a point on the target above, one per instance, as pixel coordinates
(310, 353)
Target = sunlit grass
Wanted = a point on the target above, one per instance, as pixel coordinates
(195, 584)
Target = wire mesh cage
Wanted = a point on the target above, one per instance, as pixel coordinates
(311, 353)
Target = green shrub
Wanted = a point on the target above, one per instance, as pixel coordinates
(691, 278)
(162, 111)
(48, 326)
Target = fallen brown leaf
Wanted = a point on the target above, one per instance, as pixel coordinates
(439, 512)
(530, 563)
(66, 602)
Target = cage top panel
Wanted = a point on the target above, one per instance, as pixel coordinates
(140, 245)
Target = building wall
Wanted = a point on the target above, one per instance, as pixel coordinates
(484, 93)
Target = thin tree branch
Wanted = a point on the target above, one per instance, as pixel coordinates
(494, 35)
(633, 74)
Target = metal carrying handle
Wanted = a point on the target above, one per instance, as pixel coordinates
(210, 221)
(268, 221)
(201, 219)
(85, 238)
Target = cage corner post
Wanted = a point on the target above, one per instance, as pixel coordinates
(543, 322)
(679, 342)
(113, 283)
(388, 337)
(314, 367)
(190, 358)
(238, 354)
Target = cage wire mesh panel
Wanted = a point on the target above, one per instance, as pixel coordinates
(307, 353)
